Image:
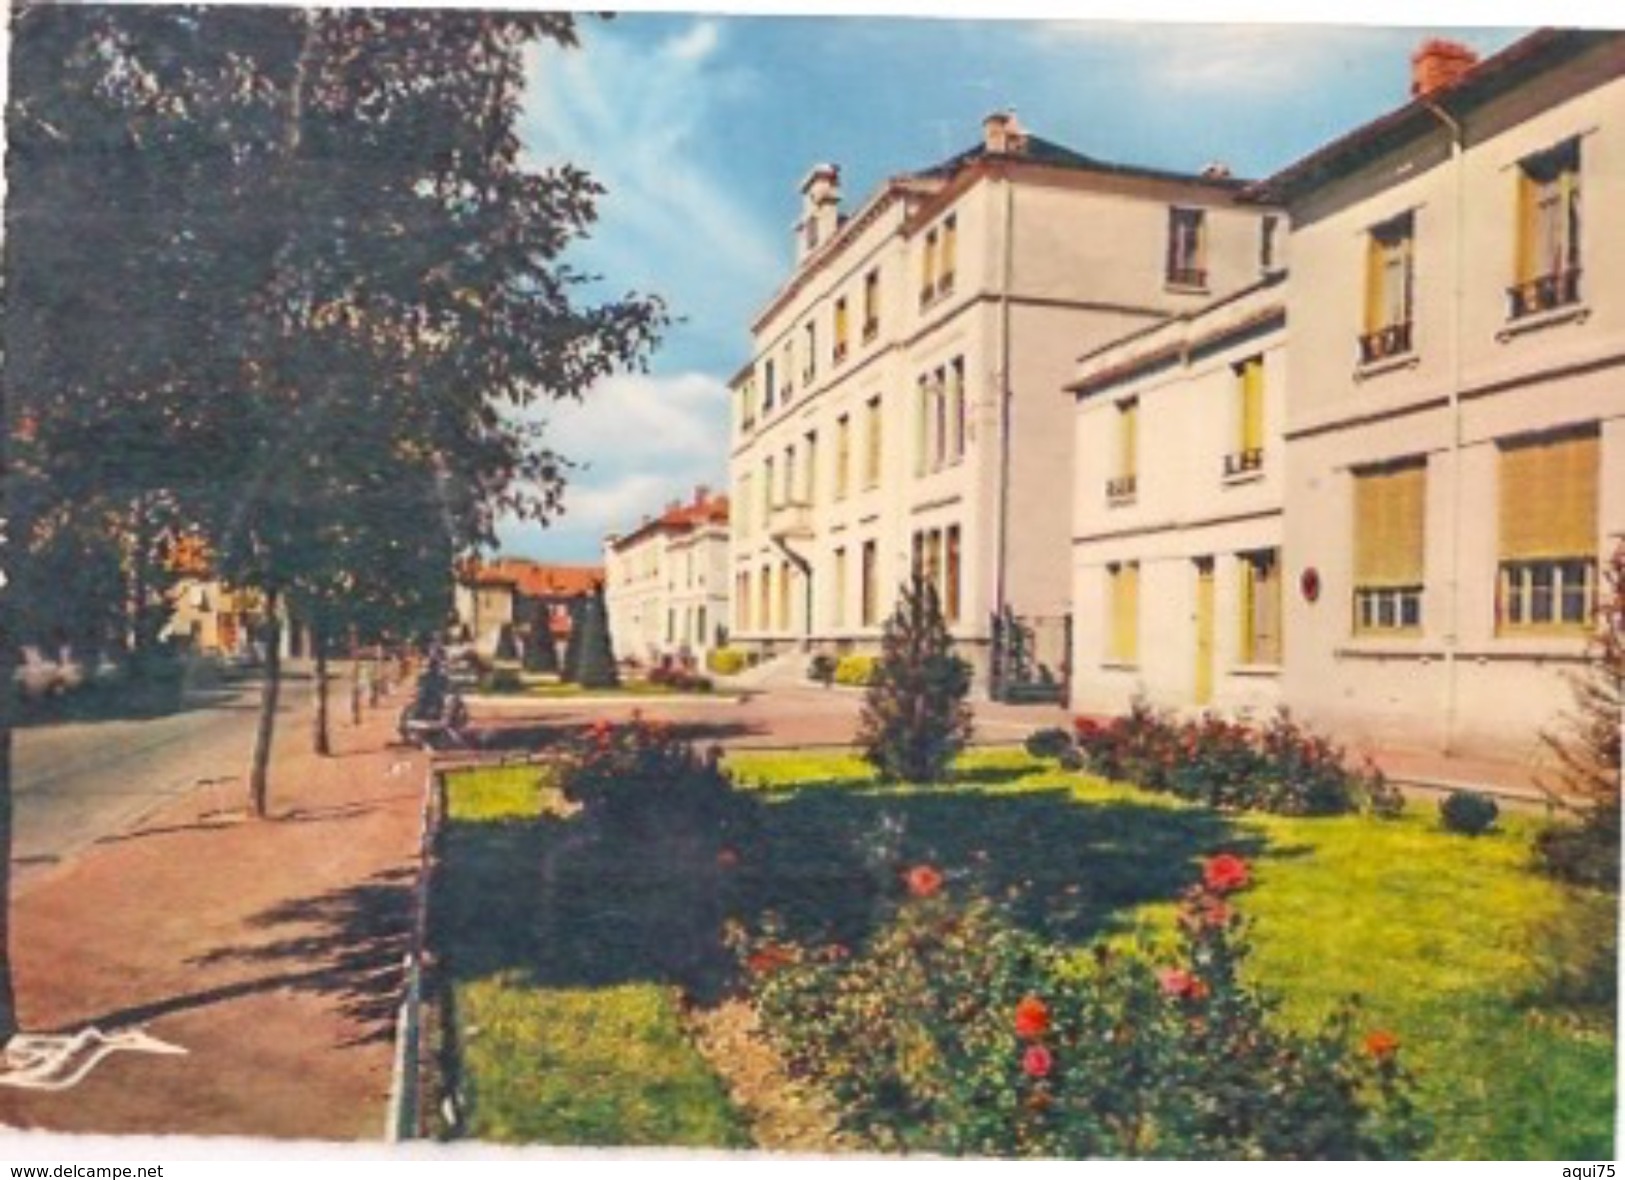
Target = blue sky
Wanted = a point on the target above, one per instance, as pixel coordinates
(702, 127)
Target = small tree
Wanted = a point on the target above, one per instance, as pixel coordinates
(915, 719)
(595, 656)
(572, 642)
(541, 654)
(1587, 747)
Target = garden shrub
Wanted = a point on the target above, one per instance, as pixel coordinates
(1053, 742)
(726, 661)
(953, 1030)
(915, 720)
(855, 671)
(676, 676)
(1280, 767)
(502, 678)
(1469, 812)
(821, 669)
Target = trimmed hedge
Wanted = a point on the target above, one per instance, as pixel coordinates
(726, 661)
(856, 671)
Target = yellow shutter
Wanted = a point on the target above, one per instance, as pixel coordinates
(1549, 499)
(871, 474)
(1527, 266)
(1390, 511)
(1128, 423)
(840, 324)
(1125, 612)
(838, 613)
(1132, 611)
(950, 246)
(1248, 602)
(1252, 404)
(1374, 258)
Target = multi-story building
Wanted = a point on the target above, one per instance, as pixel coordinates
(666, 581)
(1177, 510)
(1455, 430)
(903, 407)
(519, 595)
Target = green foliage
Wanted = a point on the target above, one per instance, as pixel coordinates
(1584, 848)
(725, 661)
(821, 668)
(856, 671)
(595, 658)
(504, 678)
(915, 719)
(953, 1030)
(1470, 813)
(572, 643)
(1282, 767)
(1052, 743)
(541, 653)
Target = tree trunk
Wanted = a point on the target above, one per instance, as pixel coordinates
(259, 775)
(355, 689)
(8, 1003)
(324, 742)
(375, 682)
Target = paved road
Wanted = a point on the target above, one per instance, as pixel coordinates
(77, 782)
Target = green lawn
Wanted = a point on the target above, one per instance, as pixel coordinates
(562, 1038)
(1449, 940)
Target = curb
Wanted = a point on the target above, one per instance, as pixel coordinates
(404, 1119)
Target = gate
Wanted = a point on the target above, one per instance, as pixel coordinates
(1031, 658)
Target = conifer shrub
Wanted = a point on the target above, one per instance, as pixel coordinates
(915, 720)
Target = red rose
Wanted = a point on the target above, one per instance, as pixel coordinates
(1225, 873)
(923, 881)
(1036, 1062)
(1174, 982)
(1381, 1044)
(727, 858)
(1032, 1018)
(769, 958)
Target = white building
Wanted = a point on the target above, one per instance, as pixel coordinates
(666, 582)
(903, 405)
(1177, 511)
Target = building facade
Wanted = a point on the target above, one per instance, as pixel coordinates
(666, 582)
(1455, 431)
(1177, 512)
(903, 406)
(518, 595)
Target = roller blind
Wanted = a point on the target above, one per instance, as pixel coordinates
(1125, 594)
(1549, 498)
(1390, 510)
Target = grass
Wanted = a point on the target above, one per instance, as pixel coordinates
(1450, 941)
(561, 1038)
(1453, 942)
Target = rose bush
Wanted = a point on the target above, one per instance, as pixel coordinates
(955, 1031)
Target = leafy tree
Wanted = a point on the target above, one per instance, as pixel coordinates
(1587, 746)
(291, 260)
(571, 667)
(915, 720)
(541, 652)
(595, 656)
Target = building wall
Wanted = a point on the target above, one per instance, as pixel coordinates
(1185, 507)
(1080, 267)
(1473, 379)
(666, 592)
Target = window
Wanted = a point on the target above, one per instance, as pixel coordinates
(1187, 248)
(870, 602)
(951, 589)
(784, 596)
(1548, 262)
(764, 607)
(871, 305)
(922, 420)
(872, 440)
(928, 269)
(1390, 509)
(843, 456)
(939, 427)
(747, 405)
(956, 408)
(837, 611)
(810, 370)
(928, 563)
(1123, 584)
(1389, 282)
(789, 476)
(950, 247)
(1249, 452)
(769, 388)
(1548, 542)
(842, 330)
(1260, 607)
(742, 524)
(789, 368)
(1120, 488)
(810, 448)
(742, 600)
(1268, 227)
(767, 491)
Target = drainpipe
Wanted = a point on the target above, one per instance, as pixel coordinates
(1001, 551)
(1458, 256)
(805, 566)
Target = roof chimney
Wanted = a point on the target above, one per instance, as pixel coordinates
(820, 209)
(1002, 135)
(1437, 64)
(701, 494)
(1217, 170)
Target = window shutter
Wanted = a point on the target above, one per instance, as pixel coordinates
(950, 246)
(1390, 511)
(1528, 226)
(1549, 498)
(1128, 422)
(1252, 404)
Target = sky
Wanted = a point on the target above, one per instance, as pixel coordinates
(701, 128)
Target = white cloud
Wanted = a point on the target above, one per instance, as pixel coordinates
(698, 43)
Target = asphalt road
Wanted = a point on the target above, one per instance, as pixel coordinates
(78, 782)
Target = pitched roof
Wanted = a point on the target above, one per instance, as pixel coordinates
(704, 509)
(533, 579)
(1540, 51)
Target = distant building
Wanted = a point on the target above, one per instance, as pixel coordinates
(519, 593)
(903, 408)
(666, 581)
(1454, 433)
(1177, 511)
